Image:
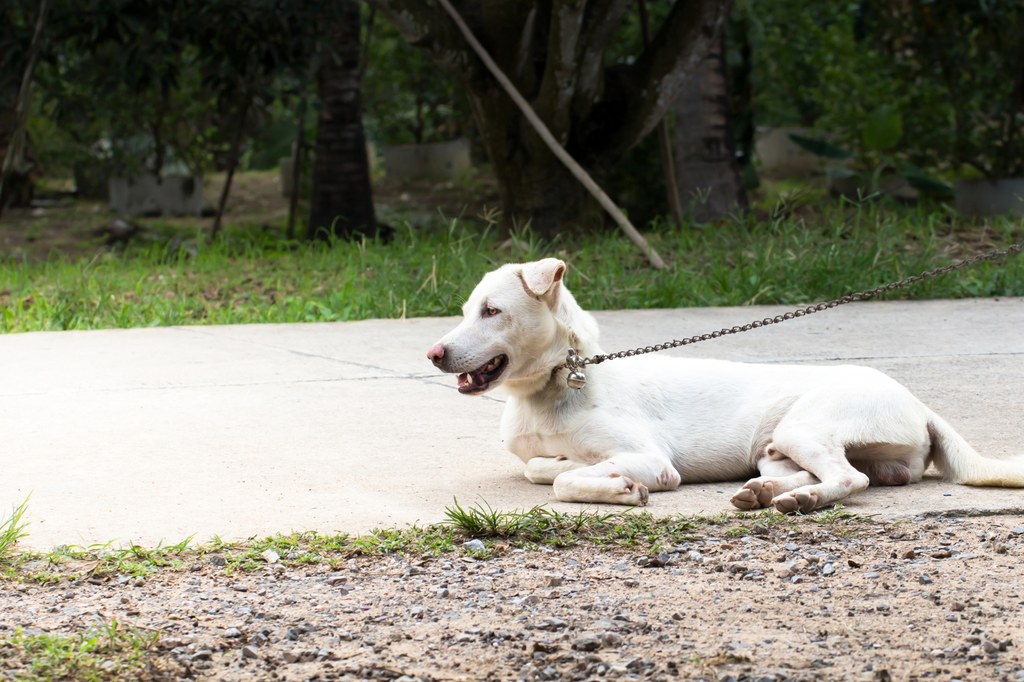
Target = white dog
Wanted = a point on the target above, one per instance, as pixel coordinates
(814, 434)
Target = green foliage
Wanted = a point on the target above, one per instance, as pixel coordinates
(406, 98)
(883, 129)
(973, 53)
(822, 148)
(164, 83)
(17, 18)
(932, 84)
(139, 119)
(785, 39)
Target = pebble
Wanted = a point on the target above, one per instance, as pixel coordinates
(553, 579)
(270, 556)
(654, 561)
(249, 651)
(611, 639)
(474, 545)
(587, 643)
(544, 647)
(239, 587)
(551, 623)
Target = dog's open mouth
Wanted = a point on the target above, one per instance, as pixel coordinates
(480, 379)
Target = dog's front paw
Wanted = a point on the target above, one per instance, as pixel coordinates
(632, 492)
(796, 501)
(754, 494)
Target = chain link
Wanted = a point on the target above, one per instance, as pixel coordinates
(577, 363)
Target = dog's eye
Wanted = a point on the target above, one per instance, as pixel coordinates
(489, 311)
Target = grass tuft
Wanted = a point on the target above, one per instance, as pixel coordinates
(103, 652)
(11, 530)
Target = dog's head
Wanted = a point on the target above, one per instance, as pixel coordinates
(515, 328)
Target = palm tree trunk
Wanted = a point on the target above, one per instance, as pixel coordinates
(706, 167)
(342, 201)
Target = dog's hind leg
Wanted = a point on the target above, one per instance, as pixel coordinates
(544, 470)
(777, 476)
(623, 479)
(824, 458)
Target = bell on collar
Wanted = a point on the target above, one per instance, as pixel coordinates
(576, 379)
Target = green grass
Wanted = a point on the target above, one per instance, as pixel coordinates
(104, 652)
(776, 257)
(12, 529)
(635, 531)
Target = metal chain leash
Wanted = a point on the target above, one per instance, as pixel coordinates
(575, 363)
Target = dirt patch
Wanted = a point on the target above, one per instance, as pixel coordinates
(922, 599)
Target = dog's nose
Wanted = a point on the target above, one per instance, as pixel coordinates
(436, 355)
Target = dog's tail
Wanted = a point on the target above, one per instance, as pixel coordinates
(960, 463)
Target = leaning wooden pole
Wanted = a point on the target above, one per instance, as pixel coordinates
(549, 139)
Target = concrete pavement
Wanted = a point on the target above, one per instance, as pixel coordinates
(152, 435)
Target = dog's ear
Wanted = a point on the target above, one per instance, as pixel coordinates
(541, 278)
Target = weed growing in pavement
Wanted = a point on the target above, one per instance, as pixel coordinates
(12, 529)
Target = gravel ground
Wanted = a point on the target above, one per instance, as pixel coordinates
(928, 598)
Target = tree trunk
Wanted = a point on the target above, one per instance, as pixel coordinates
(555, 53)
(536, 189)
(15, 183)
(342, 202)
(233, 159)
(706, 166)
